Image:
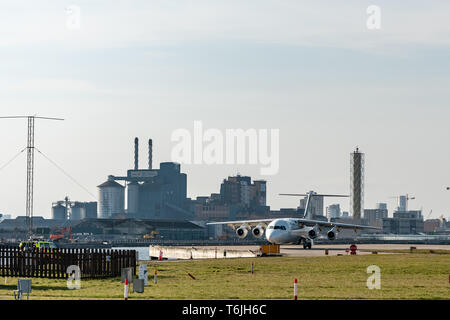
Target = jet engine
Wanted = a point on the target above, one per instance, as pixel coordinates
(332, 234)
(313, 233)
(242, 232)
(258, 231)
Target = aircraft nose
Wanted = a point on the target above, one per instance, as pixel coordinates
(268, 234)
(271, 236)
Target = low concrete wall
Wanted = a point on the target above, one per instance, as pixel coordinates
(198, 253)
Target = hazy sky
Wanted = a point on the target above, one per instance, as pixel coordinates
(311, 69)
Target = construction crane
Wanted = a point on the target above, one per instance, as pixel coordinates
(407, 198)
(30, 166)
(428, 216)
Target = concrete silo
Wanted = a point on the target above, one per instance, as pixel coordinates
(59, 211)
(133, 197)
(77, 211)
(90, 210)
(112, 199)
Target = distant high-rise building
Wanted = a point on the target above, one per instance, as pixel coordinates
(315, 207)
(374, 215)
(356, 184)
(240, 190)
(381, 206)
(333, 211)
(402, 206)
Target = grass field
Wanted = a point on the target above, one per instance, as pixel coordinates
(403, 276)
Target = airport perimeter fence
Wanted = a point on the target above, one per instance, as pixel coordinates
(54, 263)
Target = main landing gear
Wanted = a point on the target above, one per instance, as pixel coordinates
(307, 244)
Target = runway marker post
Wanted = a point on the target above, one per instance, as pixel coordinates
(125, 290)
(295, 289)
(252, 268)
(156, 277)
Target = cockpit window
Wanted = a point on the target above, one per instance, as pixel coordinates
(279, 226)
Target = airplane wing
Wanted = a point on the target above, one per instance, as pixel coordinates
(239, 223)
(300, 221)
(311, 223)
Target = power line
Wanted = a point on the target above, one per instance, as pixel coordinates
(12, 159)
(65, 173)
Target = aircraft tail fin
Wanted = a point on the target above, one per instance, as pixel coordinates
(309, 195)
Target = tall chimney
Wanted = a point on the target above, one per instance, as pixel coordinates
(136, 153)
(150, 153)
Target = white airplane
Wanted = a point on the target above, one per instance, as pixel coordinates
(292, 230)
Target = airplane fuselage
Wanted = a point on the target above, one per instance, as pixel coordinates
(287, 231)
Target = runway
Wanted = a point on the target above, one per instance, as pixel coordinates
(333, 250)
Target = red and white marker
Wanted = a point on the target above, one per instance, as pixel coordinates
(160, 255)
(295, 289)
(125, 290)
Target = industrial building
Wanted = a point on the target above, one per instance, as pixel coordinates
(73, 210)
(150, 193)
(356, 184)
(404, 222)
(18, 227)
(105, 229)
(431, 226)
(162, 229)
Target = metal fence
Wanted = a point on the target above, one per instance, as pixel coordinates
(53, 263)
